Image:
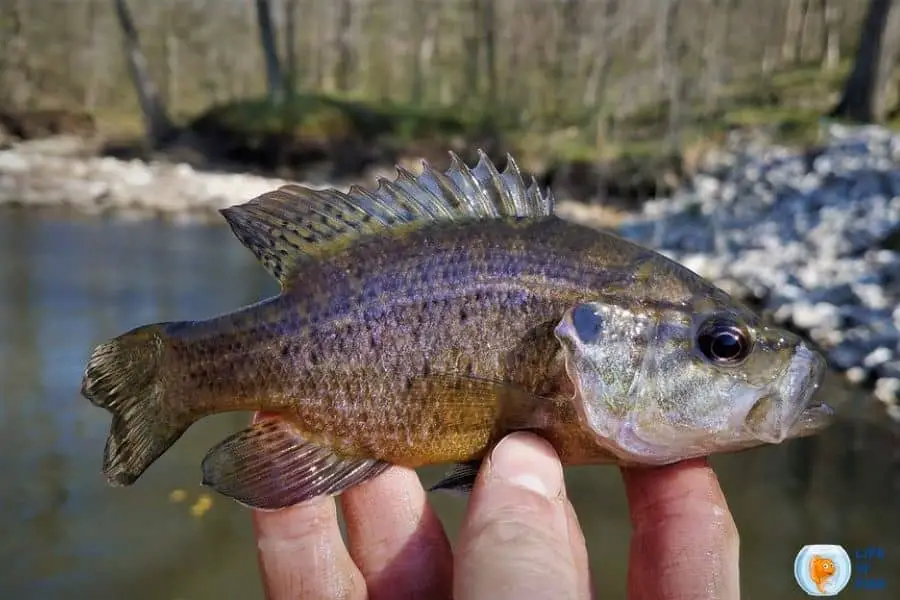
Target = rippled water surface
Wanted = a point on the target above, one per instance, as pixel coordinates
(67, 285)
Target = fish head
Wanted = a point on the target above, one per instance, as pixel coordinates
(826, 566)
(661, 385)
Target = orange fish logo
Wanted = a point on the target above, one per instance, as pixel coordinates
(821, 569)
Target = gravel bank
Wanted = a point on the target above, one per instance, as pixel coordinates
(55, 173)
(812, 236)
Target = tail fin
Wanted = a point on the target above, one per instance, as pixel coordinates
(123, 376)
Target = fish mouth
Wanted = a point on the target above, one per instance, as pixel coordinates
(793, 409)
(814, 413)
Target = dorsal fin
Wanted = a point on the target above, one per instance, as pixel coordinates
(282, 226)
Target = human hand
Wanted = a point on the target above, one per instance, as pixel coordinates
(520, 537)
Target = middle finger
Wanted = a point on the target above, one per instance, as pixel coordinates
(396, 539)
(302, 555)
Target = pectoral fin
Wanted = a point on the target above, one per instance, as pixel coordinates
(472, 400)
(269, 465)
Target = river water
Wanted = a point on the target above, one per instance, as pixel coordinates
(66, 285)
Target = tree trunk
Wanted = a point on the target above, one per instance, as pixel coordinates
(472, 49)
(425, 27)
(488, 27)
(888, 61)
(860, 99)
(274, 74)
(718, 21)
(670, 70)
(793, 31)
(831, 30)
(290, 43)
(344, 22)
(92, 80)
(800, 48)
(595, 88)
(157, 124)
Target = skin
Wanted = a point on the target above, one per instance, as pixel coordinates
(520, 537)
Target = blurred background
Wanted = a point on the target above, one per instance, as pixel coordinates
(754, 140)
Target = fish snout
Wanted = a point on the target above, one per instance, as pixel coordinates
(791, 409)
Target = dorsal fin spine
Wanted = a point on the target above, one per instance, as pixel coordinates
(283, 226)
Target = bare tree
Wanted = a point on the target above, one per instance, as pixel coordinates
(795, 28)
(344, 60)
(864, 85)
(290, 41)
(668, 68)
(831, 30)
(472, 47)
(489, 30)
(157, 124)
(274, 74)
(718, 26)
(424, 26)
(15, 57)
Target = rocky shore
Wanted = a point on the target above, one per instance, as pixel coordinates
(813, 237)
(60, 173)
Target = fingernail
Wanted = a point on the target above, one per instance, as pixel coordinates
(526, 461)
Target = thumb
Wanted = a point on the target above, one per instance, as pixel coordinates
(514, 541)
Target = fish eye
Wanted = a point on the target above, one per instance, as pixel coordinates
(723, 342)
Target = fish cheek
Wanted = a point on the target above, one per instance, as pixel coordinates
(683, 405)
(601, 360)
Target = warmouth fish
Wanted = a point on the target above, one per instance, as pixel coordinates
(419, 322)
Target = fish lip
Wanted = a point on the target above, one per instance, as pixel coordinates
(814, 413)
(797, 411)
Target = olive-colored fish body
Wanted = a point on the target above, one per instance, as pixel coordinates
(419, 323)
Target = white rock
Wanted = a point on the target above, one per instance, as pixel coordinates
(11, 162)
(819, 315)
(877, 357)
(887, 389)
(856, 375)
(806, 241)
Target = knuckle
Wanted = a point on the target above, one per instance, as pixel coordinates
(515, 531)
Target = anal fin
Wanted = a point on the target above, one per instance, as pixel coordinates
(459, 480)
(269, 465)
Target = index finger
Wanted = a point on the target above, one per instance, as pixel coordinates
(684, 542)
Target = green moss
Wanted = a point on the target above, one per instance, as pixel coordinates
(789, 105)
(324, 117)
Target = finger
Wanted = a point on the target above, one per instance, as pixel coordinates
(396, 539)
(514, 541)
(301, 553)
(684, 542)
